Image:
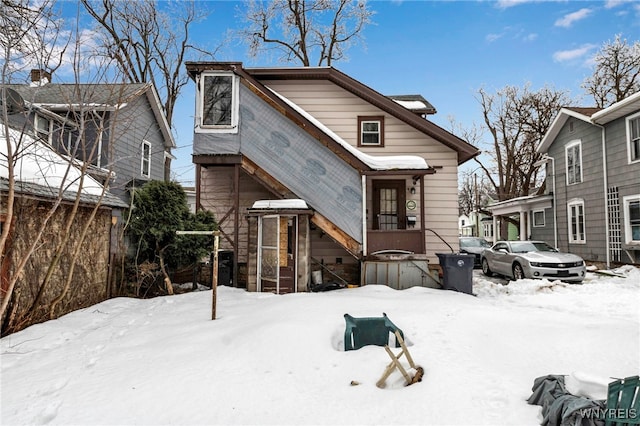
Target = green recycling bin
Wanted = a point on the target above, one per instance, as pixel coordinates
(457, 271)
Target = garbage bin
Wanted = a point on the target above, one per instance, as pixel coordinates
(457, 271)
(225, 267)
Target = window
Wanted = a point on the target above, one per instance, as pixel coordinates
(487, 230)
(371, 131)
(632, 219)
(538, 218)
(43, 127)
(145, 167)
(633, 137)
(575, 212)
(388, 204)
(574, 163)
(219, 102)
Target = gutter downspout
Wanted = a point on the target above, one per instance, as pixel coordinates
(605, 181)
(555, 203)
(364, 215)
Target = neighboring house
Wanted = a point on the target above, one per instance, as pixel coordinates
(476, 224)
(120, 129)
(47, 184)
(308, 169)
(592, 202)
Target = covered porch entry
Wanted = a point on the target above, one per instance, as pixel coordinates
(279, 246)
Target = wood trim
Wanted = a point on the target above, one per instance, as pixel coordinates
(338, 235)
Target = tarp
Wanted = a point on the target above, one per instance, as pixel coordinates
(560, 407)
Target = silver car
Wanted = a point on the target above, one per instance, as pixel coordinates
(531, 259)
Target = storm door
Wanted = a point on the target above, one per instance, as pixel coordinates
(277, 254)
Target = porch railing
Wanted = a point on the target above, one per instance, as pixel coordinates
(401, 239)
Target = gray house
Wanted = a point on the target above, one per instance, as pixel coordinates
(119, 129)
(591, 206)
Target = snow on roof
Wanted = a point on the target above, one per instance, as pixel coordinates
(294, 203)
(387, 162)
(39, 164)
(411, 104)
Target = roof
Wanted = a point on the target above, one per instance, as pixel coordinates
(591, 115)
(41, 172)
(465, 150)
(46, 192)
(101, 97)
(617, 110)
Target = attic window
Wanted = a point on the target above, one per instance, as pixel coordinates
(218, 101)
(571, 127)
(371, 131)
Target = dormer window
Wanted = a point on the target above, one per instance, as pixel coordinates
(43, 127)
(218, 102)
(371, 131)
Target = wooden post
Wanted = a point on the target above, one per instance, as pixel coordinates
(214, 273)
(214, 278)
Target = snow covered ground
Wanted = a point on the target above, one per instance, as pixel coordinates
(271, 359)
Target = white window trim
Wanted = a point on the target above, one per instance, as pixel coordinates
(363, 132)
(533, 218)
(571, 203)
(567, 147)
(142, 159)
(627, 224)
(235, 104)
(628, 131)
(49, 131)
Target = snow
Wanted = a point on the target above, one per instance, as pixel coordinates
(270, 359)
(411, 104)
(378, 162)
(290, 203)
(38, 163)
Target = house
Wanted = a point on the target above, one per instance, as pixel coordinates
(47, 186)
(310, 172)
(591, 205)
(119, 129)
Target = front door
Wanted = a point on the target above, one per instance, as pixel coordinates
(277, 254)
(389, 205)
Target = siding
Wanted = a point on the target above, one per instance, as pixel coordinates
(134, 124)
(217, 196)
(339, 109)
(590, 190)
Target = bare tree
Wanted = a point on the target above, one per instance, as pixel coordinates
(48, 241)
(148, 44)
(517, 119)
(616, 74)
(304, 29)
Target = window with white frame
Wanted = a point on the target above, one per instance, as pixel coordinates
(633, 137)
(487, 229)
(371, 131)
(632, 219)
(218, 102)
(145, 163)
(573, 158)
(575, 213)
(538, 218)
(43, 127)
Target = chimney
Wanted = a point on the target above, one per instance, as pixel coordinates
(40, 77)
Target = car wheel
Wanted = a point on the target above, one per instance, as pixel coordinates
(518, 273)
(485, 268)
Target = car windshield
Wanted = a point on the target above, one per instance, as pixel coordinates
(474, 242)
(527, 246)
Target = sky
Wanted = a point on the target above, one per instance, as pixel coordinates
(279, 359)
(445, 51)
